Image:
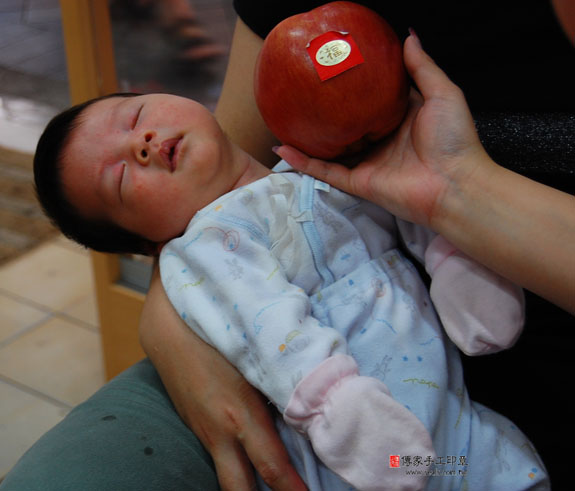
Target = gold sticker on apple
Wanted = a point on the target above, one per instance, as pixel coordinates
(333, 52)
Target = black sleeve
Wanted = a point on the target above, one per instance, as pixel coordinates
(508, 55)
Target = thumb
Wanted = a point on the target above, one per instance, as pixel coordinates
(430, 79)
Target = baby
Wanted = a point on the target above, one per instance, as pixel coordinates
(304, 289)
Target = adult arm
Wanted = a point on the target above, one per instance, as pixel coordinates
(435, 172)
(237, 111)
(228, 415)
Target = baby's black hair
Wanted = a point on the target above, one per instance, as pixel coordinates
(99, 235)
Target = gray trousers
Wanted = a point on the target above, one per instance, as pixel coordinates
(127, 436)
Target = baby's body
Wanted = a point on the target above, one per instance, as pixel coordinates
(303, 287)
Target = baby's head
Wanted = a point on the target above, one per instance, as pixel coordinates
(48, 162)
(127, 172)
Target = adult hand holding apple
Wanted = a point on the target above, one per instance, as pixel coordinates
(432, 160)
(331, 80)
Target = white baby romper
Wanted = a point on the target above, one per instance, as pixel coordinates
(303, 288)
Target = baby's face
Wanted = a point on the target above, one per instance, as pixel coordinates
(146, 163)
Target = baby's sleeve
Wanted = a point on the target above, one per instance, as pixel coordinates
(481, 311)
(226, 284)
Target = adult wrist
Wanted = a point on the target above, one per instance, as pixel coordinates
(467, 198)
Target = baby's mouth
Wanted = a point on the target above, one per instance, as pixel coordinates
(169, 152)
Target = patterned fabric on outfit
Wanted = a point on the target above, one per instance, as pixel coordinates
(305, 290)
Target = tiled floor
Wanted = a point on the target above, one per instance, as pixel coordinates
(50, 356)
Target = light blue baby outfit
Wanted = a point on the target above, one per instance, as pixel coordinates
(287, 272)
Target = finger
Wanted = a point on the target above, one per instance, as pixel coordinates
(233, 468)
(429, 78)
(334, 174)
(277, 472)
(268, 455)
(415, 102)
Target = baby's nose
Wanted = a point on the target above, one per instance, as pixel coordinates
(143, 148)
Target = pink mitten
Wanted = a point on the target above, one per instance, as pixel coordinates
(481, 311)
(355, 426)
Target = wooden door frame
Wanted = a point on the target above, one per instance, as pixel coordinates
(92, 73)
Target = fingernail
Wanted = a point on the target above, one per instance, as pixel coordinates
(415, 36)
(275, 148)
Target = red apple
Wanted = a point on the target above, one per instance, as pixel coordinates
(331, 80)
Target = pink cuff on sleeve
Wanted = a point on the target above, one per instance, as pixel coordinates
(311, 393)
